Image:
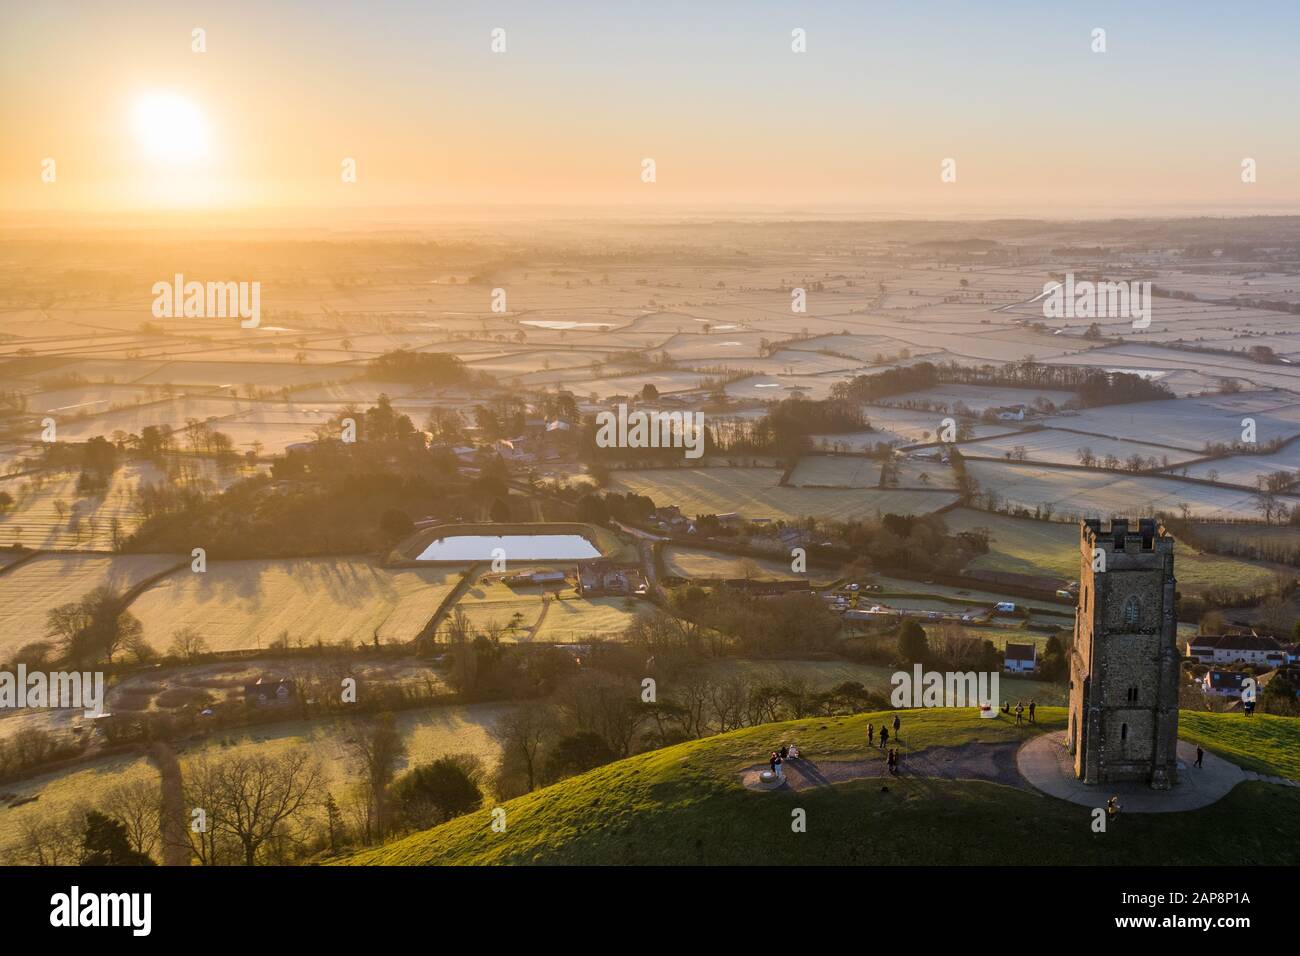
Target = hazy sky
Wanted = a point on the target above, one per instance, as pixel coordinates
(1037, 123)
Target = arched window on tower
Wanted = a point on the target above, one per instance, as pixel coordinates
(1132, 612)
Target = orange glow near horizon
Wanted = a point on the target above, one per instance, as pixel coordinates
(279, 102)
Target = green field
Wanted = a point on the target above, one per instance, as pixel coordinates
(1264, 743)
(1048, 548)
(685, 805)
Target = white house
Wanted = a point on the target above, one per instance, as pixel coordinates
(1021, 658)
(1236, 649)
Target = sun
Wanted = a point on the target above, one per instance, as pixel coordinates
(170, 128)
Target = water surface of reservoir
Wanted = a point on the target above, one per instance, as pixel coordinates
(517, 547)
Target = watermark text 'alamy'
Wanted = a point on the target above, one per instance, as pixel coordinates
(645, 429)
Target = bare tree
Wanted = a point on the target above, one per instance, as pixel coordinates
(137, 805)
(377, 751)
(608, 706)
(728, 699)
(187, 643)
(249, 799)
(47, 841)
(522, 733)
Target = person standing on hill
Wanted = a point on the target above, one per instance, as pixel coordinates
(1031, 711)
(871, 735)
(897, 723)
(884, 737)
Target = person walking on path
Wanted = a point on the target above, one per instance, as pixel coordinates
(1031, 711)
(1200, 756)
(884, 737)
(777, 762)
(871, 735)
(771, 762)
(897, 724)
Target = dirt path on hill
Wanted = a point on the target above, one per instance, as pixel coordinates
(537, 625)
(995, 763)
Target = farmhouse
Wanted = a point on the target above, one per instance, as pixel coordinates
(1237, 649)
(670, 518)
(602, 577)
(270, 693)
(1223, 683)
(1021, 658)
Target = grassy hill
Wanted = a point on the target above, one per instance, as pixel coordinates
(685, 805)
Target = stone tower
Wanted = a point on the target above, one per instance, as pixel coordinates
(1124, 665)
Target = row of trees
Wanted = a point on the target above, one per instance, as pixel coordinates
(256, 808)
(1094, 387)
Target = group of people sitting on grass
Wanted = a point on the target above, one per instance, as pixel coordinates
(779, 757)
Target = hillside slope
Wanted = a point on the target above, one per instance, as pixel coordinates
(686, 805)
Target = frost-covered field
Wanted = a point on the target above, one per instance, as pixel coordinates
(1189, 423)
(755, 493)
(31, 590)
(238, 605)
(1060, 447)
(1095, 493)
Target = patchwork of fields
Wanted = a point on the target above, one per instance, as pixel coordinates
(1059, 447)
(1078, 492)
(755, 493)
(698, 313)
(532, 613)
(1037, 548)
